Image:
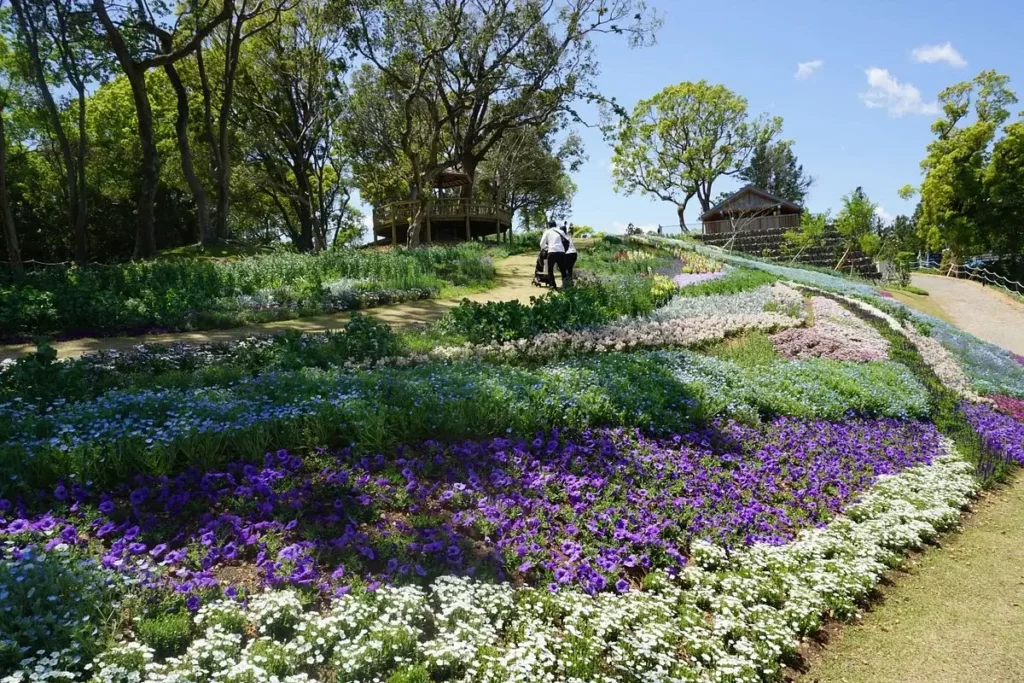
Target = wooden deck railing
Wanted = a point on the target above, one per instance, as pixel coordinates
(401, 213)
(750, 224)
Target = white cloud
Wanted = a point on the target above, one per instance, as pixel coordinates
(898, 98)
(805, 70)
(932, 54)
(884, 215)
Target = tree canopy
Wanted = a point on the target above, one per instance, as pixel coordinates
(128, 128)
(675, 145)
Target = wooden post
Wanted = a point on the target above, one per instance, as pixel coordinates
(394, 233)
(469, 232)
(430, 208)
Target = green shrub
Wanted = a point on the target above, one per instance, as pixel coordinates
(416, 673)
(755, 348)
(168, 634)
(588, 304)
(190, 293)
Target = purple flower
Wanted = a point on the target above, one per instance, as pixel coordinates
(192, 603)
(139, 496)
(18, 526)
(622, 586)
(61, 492)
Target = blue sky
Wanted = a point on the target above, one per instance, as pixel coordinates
(754, 48)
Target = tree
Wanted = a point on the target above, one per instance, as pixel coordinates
(530, 176)
(41, 34)
(858, 225)
(675, 145)
(291, 103)
(136, 38)
(954, 206)
(246, 21)
(522, 64)
(406, 41)
(1004, 187)
(811, 233)
(10, 231)
(773, 168)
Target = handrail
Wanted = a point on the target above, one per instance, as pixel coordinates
(449, 207)
(984, 275)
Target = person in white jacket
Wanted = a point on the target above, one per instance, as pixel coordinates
(561, 252)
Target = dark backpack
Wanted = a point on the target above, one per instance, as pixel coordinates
(565, 240)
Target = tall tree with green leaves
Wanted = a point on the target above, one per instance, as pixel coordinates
(858, 225)
(290, 103)
(524, 64)
(773, 167)
(7, 94)
(217, 84)
(954, 205)
(407, 41)
(530, 174)
(43, 31)
(134, 33)
(1004, 187)
(676, 145)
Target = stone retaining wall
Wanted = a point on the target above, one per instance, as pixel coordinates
(768, 243)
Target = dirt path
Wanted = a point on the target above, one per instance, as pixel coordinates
(985, 312)
(514, 276)
(958, 615)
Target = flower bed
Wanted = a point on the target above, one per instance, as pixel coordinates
(728, 616)
(1008, 405)
(122, 433)
(199, 294)
(836, 334)
(598, 511)
(687, 279)
(1000, 433)
(776, 298)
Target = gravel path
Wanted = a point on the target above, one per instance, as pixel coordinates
(514, 277)
(985, 312)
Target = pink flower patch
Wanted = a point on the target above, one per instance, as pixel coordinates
(1008, 405)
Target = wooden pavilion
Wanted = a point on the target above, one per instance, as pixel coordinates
(750, 209)
(447, 219)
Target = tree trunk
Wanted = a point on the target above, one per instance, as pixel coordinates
(10, 234)
(218, 147)
(206, 233)
(145, 233)
(82, 215)
(680, 210)
(39, 73)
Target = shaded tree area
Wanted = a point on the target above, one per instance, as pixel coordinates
(136, 127)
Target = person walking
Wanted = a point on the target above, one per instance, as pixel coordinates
(561, 253)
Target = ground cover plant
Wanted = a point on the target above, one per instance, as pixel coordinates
(126, 432)
(198, 294)
(571, 504)
(835, 333)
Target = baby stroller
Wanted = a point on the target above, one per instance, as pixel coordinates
(540, 275)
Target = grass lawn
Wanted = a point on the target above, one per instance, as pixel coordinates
(955, 614)
(920, 302)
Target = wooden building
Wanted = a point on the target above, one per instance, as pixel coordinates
(750, 209)
(447, 219)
